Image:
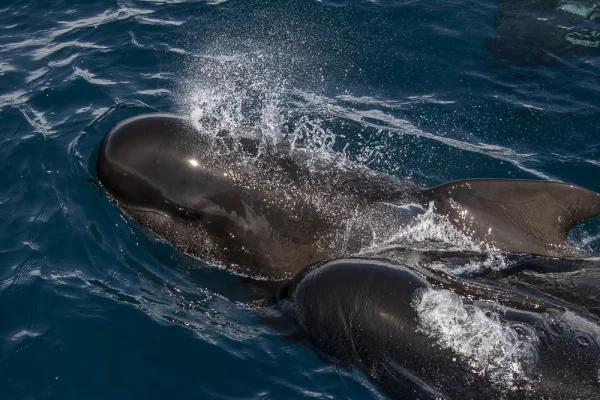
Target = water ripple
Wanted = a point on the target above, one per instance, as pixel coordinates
(94, 306)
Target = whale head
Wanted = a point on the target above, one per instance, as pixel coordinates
(210, 197)
(151, 163)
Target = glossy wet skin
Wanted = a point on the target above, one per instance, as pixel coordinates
(362, 312)
(213, 197)
(136, 174)
(271, 211)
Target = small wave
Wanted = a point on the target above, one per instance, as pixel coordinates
(531, 106)
(89, 77)
(161, 22)
(103, 18)
(24, 334)
(8, 47)
(155, 92)
(593, 162)
(429, 98)
(584, 37)
(43, 52)
(380, 120)
(66, 61)
(35, 75)
(13, 99)
(160, 75)
(37, 120)
(5, 67)
(581, 8)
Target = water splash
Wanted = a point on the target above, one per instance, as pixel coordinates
(429, 231)
(505, 354)
(237, 93)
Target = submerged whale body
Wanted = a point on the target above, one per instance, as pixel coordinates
(277, 211)
(535, 31)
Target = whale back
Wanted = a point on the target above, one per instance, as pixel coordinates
(360, 313)
(378, 315)
(520, 216)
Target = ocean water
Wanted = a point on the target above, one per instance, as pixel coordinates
(94, 306)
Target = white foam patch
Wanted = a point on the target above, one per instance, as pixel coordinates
(503, 353)
(586, 38)
(581, 8)
(427, 231)
(585, 237)
(432, 231)
(494, 261)
(430, 227)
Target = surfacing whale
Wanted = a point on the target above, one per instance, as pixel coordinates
(276, 211)
(382, 317)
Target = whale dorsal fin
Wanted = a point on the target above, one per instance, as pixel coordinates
(520, 216)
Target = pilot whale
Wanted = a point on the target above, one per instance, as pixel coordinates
(365, 313)
(276, 211)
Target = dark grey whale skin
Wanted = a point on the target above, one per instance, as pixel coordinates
(216, 199)
(360, 311)
(274, 211)
(277, 213)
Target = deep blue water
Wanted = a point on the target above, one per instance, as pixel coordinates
(93, 306)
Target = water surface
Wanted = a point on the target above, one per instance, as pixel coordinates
(93, 306)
